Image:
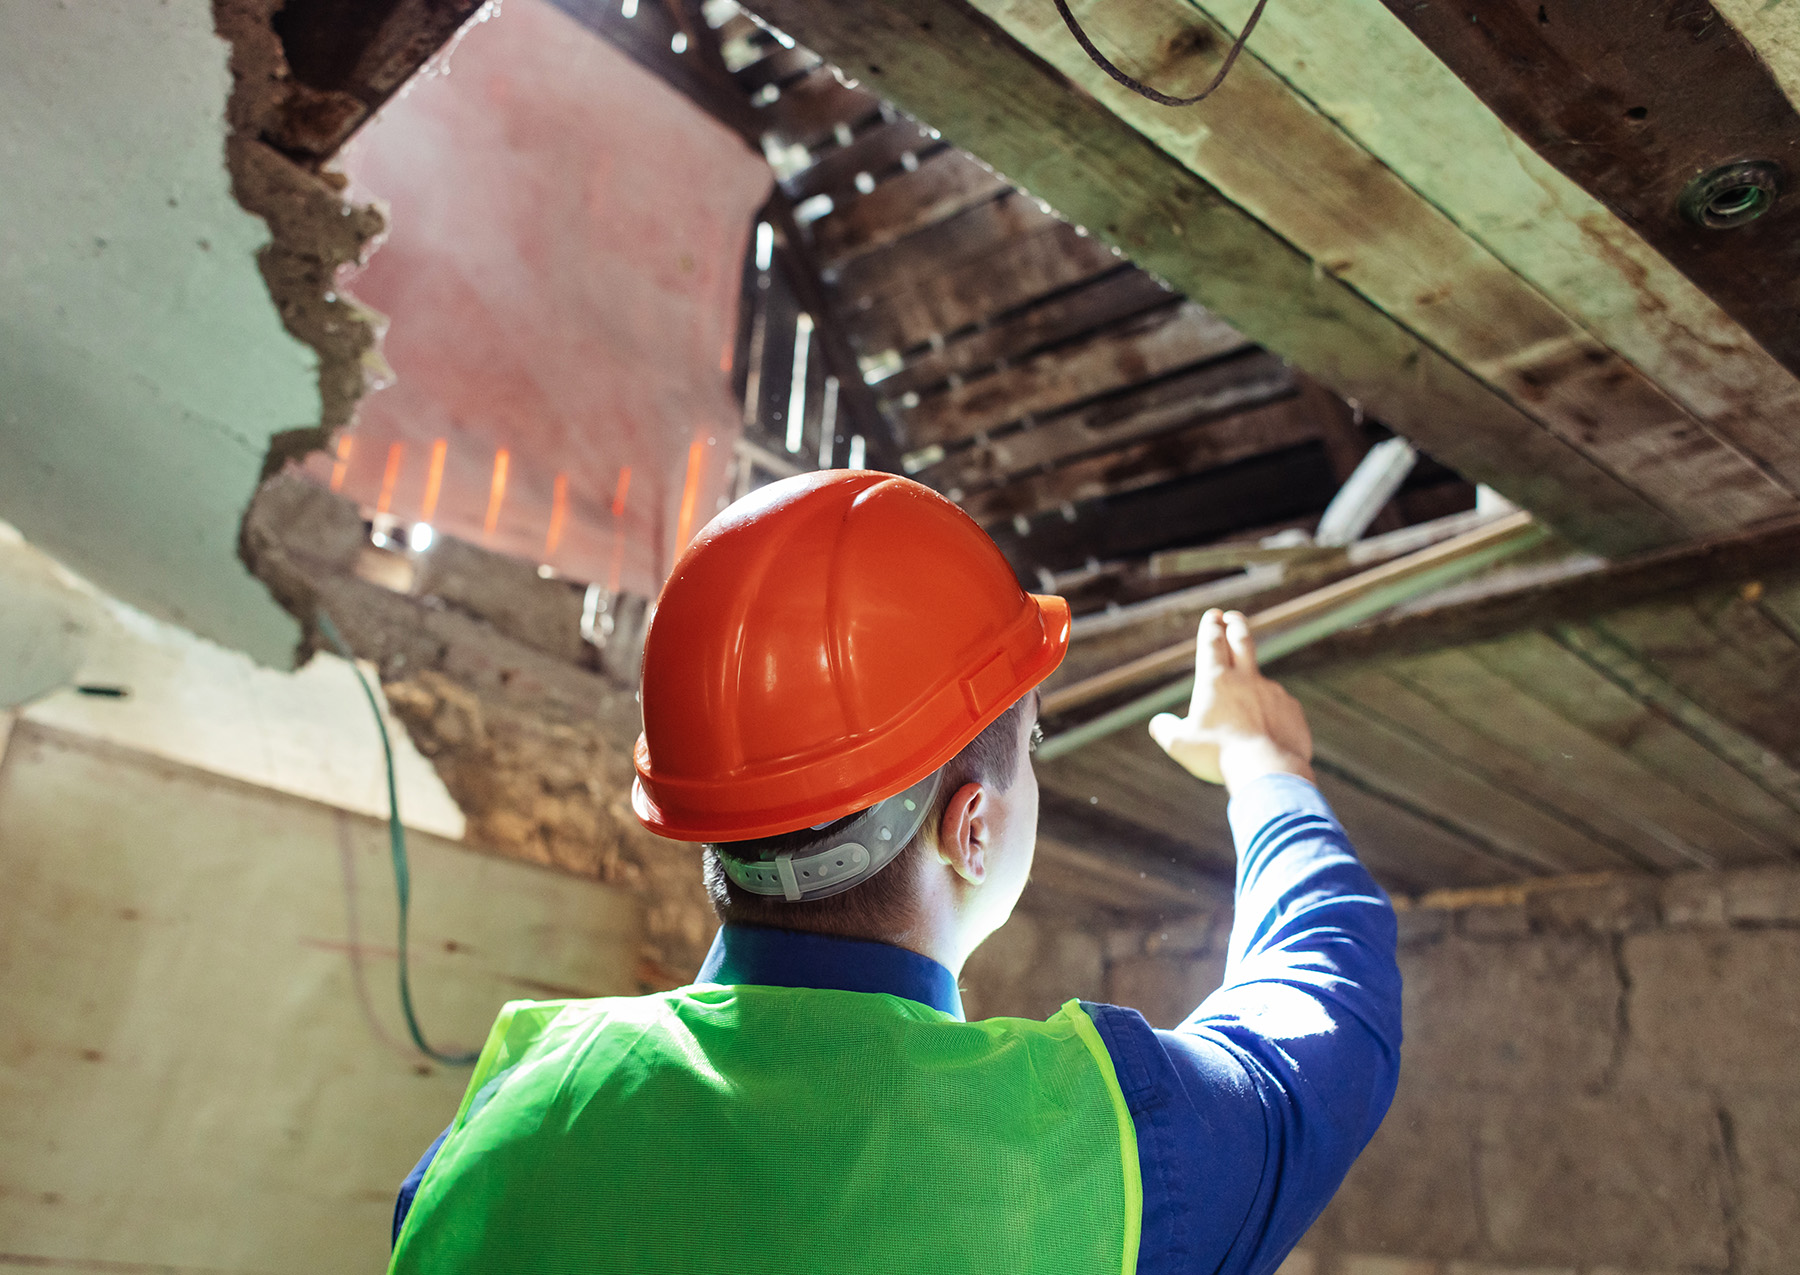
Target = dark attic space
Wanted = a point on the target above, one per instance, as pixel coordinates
(664, 635)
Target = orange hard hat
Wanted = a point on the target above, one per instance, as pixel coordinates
(825, 643)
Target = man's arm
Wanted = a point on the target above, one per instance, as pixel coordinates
(1251, 1111)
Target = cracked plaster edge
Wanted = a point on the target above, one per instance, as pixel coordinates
(314, 232)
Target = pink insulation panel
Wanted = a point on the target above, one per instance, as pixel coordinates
(561, 283)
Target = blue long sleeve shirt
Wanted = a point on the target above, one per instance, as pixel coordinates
(1251, 1111)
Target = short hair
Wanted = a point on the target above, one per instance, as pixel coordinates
(884, 906)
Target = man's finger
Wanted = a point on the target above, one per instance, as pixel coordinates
(1239, 639)
(1163, 728)
(1213, 651)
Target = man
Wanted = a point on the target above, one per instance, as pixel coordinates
(839, 697)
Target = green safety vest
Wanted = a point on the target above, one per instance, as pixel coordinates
(767, 1129)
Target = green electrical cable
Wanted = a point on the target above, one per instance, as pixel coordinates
(397, 850)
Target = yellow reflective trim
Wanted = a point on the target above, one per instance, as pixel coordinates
(1128, 1144)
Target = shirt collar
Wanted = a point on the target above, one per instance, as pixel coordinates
(749, 954)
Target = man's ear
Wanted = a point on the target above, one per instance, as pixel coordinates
(963, 833)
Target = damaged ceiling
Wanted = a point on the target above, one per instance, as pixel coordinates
(1113, 331)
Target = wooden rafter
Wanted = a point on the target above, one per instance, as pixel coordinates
(1634, 108)
(971, 79)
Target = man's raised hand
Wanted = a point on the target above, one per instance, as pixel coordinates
(1239, 725)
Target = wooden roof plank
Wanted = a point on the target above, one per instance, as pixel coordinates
(1389, 759)
(1217, 390)
(1406, 849)
(1537, 666)
(1769, 554)
(1357, 63)
(811, 108)
(1723, 652)
(984, 275)
(874, 151)
(981, 89)
(1716, 731)
(1151, 345)
(1664, 823)
(1060, 317)
(942, 186)
(1273, 154)
(1148, 462)
(1429, 709)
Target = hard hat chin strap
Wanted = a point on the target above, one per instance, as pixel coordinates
(850, 856)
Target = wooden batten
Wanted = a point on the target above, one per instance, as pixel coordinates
(942, 185)
(1150, 346)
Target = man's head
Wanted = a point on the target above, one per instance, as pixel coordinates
(954, 883)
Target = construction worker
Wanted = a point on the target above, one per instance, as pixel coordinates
(839, 703)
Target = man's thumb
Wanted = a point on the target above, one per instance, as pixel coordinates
(1163, 729)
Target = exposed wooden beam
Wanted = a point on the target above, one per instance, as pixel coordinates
(957, 69)
(1181, 508)
(1767, 555)
(1224, 388)
(1052, 320)
(1207, 444)
(943, 185)
(874, 151)
(855, 399)
(1319, 190)
(1634, 105)
(964, 271)
(1151, 345)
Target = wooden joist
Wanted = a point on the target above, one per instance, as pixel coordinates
(1275, 155)
(875, 150)
(972, 80)
(1388, 92)
(1753, 557)
(963, 271)
(1633, 110)
(1125, 292)
(1152, 345)
(810, 109)
(941, 186)
(1220, 389)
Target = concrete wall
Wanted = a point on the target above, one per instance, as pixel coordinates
(142, 366)
(203, 1065)
(1596, 1079)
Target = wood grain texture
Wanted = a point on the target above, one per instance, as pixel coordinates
(964, 271)
(1630, 105)
(950, 66)
(1537, 666)
(1223, 388)
(1157, 459)
(1362, 69)
(1150, 346)
(1586, 775)
(1273, 154)
(1059, 317)
(1722, 651)
(943, 185)
(1388, 757)
(1767, 556)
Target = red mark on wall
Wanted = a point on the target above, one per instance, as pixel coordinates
(496, 491)
(389, 477)
(559, 510)
(618, 535)
(434, 479)
(341, 466)
(690, 493)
